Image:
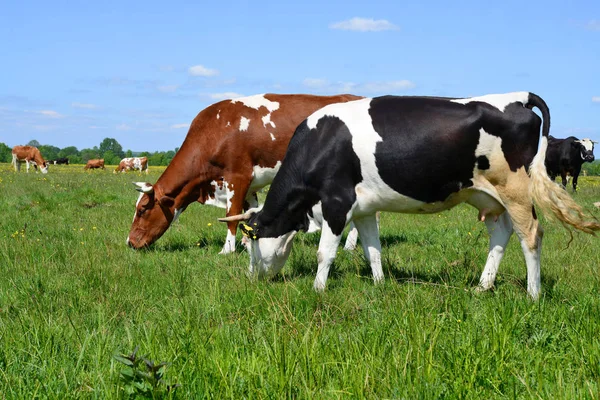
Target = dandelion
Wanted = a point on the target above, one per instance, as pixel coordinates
(82, 242)
(80, 229)
(93, 227)
(470, 234)
(209, 224)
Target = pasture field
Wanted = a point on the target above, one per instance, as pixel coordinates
(72, 295)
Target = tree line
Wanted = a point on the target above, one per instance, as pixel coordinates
(113, 153)
(109, 149)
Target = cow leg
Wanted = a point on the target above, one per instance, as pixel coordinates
(575, 177)
(563, 175)
(368, 229)
(499, 232)
(27, 165)
(236, 191)
(325, 255)
(352, 238)
(530, 234)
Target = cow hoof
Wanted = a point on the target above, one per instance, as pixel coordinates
(319, 287)
(227, 250)
(481, 288)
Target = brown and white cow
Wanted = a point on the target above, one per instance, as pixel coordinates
(94, 164)
(126, 164)
(233, 149)
(28, 155)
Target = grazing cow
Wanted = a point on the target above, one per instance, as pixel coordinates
(126, 164)
(565, 156)
(353, 159)
(94, 164)
(232, 150)
(28, 155)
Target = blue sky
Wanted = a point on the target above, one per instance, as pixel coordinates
(76, 72)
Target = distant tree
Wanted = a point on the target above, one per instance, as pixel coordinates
(110, 144)
(5, 153)
(128, 153)
(49, 152)
(88, 154)
(68, 151)
(111, 158)
(144, 154)
(34, 143)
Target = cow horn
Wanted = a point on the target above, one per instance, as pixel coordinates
(144, 187)
(241, 217)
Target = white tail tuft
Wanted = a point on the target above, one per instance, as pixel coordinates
(553, 199)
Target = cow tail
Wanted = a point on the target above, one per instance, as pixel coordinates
(548, 195)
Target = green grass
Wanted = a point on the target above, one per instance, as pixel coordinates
(72, 295)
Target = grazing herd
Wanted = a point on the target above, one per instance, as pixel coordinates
(339, 160)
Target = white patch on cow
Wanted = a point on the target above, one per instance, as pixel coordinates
(228, 124)
(262, 176)
(314, 222)
(244, 123)
(219, 114)
(219, 199)
(488, 144)
(230, 194)
(272, 136)
(136, 206)
(229, 246)
(500, 101)
(267, 120)
(257, 101)
(176, 214)
(587, 143)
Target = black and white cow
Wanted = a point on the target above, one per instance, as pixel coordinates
(565, 156)
(413, 155)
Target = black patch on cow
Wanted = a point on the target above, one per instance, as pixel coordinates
(428, 146)
(319, 165)
(533, 212)
(483, 163)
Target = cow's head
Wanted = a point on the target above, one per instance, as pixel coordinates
(44, 168)
(154, 213)
(270, 239)
(586, 149)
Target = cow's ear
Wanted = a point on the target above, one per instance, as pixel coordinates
(167, 201)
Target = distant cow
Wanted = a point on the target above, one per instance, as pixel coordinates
(139, 163)
(63, 160)
(417, 155)
(565, 156)
(28, 155)
(233, 149)
(94, 164)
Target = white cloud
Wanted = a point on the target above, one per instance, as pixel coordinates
(391, 86)
(225, 95)
(381, 87)
(168, 88)
(123, 127)
(84, 105)
(201, 70)
(315, 82)
(180, 126)
(51, 114)
(593, 25)
(364, 25)
(596, 99)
